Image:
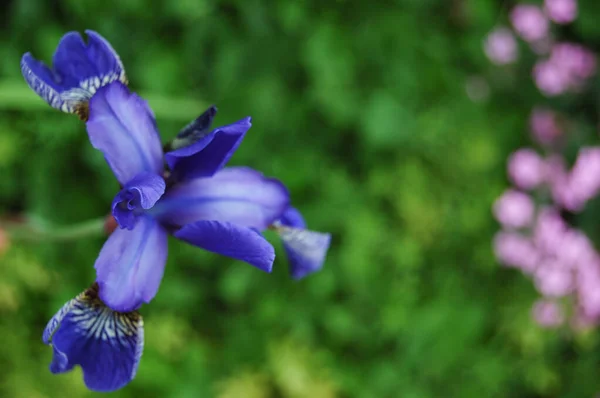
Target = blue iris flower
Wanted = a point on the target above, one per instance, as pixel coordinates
(220, 214)
(185, 192)
(79, 70)
(223, 210)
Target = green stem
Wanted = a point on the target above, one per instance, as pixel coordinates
(51, 233)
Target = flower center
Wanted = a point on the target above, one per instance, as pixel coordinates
(126, 208)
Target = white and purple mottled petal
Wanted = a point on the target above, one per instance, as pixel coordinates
(108, 345)
(238, 195)
(230, 240)
(131, 264)
(79, 70)
(306, 250)
(141, 193)
(209, 152)
(122, 126)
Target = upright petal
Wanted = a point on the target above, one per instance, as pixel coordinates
(141, 193)
(209, 153)
(122, 127)
(237, 195)
(106, 344)
(79, 70)
(131, 264)
(196, 130)
(230, 240)
(306, 250)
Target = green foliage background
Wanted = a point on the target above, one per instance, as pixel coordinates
(361, 109)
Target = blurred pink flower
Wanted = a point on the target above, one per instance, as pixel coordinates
(501, 46)
(588, 274)
(526, 168)
(514, 209)
(561, 11)
(589, 299)
(516, 250)
(584, 179)
(576, 61)
(549, 231)
(552, 279)
(550, 79)
(567, 68)
(548, 313)
(544, 126)
(557, 177)
(575, 250)
(529, 22)
(563, 195)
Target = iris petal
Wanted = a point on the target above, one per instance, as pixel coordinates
(293, 218)
(131, 264)
(306, 250)
(196, 130)
(209, 153)
(237, 195)
(106, 344)
(230, 240)
(79, 70)
(123, 128)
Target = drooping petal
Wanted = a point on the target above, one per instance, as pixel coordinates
(122, 126)
(237, 195)
(306, 250)
(106, 344)
(196, 130)
(79, 70)
(209, 153)
(141, 193)
(230, 240)
(131, 264)
(55, 321)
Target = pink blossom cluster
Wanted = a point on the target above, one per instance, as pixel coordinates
(535, 238)
(565, 66)
(573, 189)
(569, 189)
(566, 69)
(560, 259)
